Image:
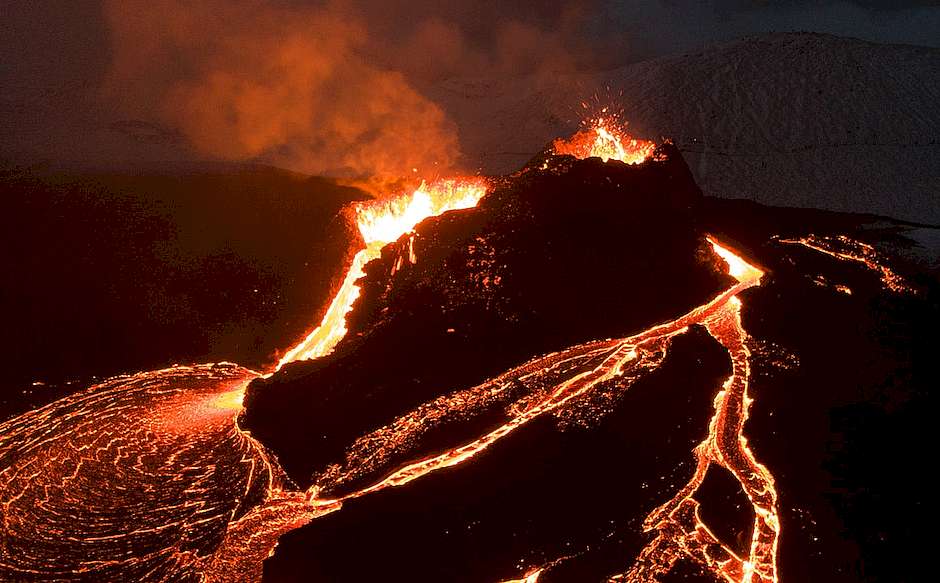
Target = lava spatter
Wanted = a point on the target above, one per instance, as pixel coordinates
(530, 577)
(380, 223)
(606, 140)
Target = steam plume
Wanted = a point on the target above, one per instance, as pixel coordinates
(282, 83)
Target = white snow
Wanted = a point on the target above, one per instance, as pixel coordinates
(792, 119)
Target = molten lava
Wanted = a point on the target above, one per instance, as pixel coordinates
(846, 249)
(680, 531)
(531, 577)
(380, 223)
(172, 438)
(605, 140)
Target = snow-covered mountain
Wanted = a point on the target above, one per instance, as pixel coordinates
(789, 119)
(793, 119)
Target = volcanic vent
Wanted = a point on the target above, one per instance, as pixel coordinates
(563, 253)
(583, 371)
(548, 259)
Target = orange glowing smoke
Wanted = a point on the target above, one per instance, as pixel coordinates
(286, 83)
(606, 141)
(380, 223)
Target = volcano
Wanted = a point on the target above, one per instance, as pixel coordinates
(585, 370)
(562, 253)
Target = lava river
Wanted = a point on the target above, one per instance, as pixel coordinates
(148, 476)
(558, 378)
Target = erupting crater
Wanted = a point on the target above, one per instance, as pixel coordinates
(381, 222)
(605, 139)
(487, 344)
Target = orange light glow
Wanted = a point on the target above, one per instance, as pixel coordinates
(681, 532)
(847, 249)
(186, 418)
(606, 141)
(232, 400)
(380, 223)
(530, 577)
(737, 267)
(679, 527)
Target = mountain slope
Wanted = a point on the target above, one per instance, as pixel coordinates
(803, 120)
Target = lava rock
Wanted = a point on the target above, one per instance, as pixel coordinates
(553, 256)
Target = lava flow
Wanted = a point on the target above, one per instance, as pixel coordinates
(561, 377)
(846, 249)
(137, 477)
(149, 476)
(680, 530)
(380, 223)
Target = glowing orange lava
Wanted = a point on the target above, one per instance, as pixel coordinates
(530, 577)
(680, 531)
(172, 436)
(846, 249)
(606, 141)
(137, 474)
(380, 223)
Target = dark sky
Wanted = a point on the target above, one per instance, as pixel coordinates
(70, 70)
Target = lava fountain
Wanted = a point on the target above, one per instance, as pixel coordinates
(605, 139)
(380, 223)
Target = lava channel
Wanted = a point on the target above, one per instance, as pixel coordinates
(679, 530)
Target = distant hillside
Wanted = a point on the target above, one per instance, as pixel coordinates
(117, 272)
(785, 119)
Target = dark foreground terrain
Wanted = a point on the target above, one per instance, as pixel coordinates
(579, 251)
(506, 311)
(109, 273)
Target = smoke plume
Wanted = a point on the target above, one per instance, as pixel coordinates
(276, 82)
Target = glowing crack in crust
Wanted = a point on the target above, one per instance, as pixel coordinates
(138, 476)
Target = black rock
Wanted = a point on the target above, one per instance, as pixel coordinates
(583, 251)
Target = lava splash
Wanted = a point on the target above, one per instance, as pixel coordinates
(606, 140)
(380, 223)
